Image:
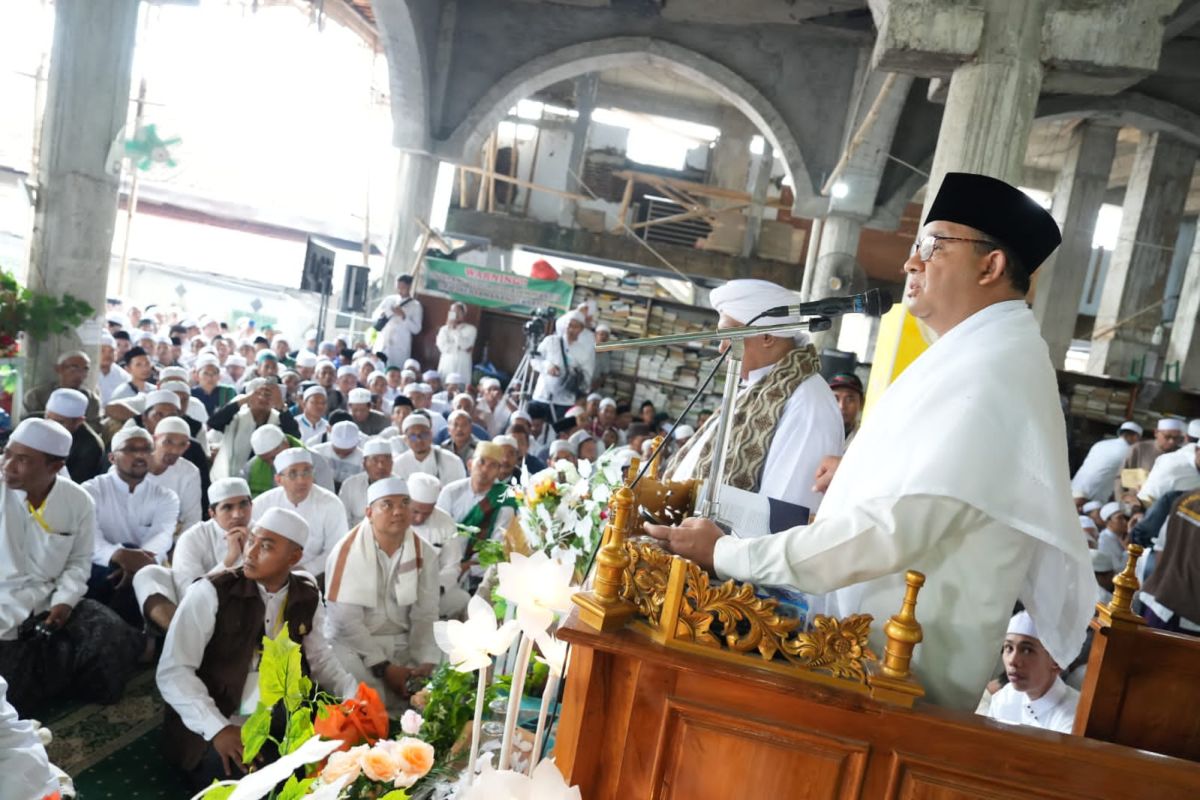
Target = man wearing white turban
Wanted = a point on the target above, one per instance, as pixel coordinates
(787, 416)
(565, 363)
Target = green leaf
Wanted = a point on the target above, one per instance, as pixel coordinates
(279, 672)
(218, 793)
(395, 794)
(294, 789)
(299, 730)
(255, 732)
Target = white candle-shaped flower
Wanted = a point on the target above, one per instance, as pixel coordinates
(554, 656)
(469, 646)
(540, 587)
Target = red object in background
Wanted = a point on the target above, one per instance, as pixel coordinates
(542, 271)
(359, 719)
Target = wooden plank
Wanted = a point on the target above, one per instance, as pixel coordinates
(487, 175)
(691, 187)
(626, 198)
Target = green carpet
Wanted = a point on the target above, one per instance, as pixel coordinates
(113, 751)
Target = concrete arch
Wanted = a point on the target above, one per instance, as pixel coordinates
(399, 26)
(594, 56)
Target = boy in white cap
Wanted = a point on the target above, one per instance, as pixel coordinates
(382, 593)
(320, 508)
(206, 548)
(208, 672)
(47, 525)
(1102, 466)
(135, 522)
(369, 421)
(376, 465)
(110, 375)
(170, 470)
(68, 407)
(1169, 436)
(312, 422)
(440, 531)
(342, 451)
(1035, 694)
(423, 455)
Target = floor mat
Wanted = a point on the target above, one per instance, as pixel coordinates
(91, 733)
(135, 772)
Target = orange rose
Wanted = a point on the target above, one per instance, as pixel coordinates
(414, 756)
(342, 763)
(379, 764)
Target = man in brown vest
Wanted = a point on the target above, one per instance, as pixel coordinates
(208, 671)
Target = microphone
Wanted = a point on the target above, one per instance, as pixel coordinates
(873, 303)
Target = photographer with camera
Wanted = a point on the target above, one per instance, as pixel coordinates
(565, 363)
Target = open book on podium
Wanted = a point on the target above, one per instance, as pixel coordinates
(682, 687)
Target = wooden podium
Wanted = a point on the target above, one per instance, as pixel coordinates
(680, 689)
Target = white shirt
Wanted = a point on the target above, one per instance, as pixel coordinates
(911, 493)
(1171, 472)
(441, 533)
(458, 498)
(144, 517)
(108, 382)
(353, 495)
(442, 464)
(188, 637)
(125, 390)
(494, 419)
(810, 428)
(200, 551)
(322, 511)
(343, 468)
(455, 346)
(1053, 711)
(389, 631)
(549, 388)
(396, 336)
(1099, 469)
(40, 569)
(182, 478)
(23, 760)
(311, 433)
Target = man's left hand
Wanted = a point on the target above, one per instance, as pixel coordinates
(58, 616)
(694, 539)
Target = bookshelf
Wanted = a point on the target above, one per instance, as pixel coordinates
(666, 376)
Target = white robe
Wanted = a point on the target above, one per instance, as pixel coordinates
(810, 428)
(395, 340)
(959, 472)
(455, 346)
(353, 495)
(442, 464)
(182, 478)
(107, 384)
(145, 517)
(23, 760)
(199, 551)
(1053, 711)
(458, 498)
(1099, 469)
(40, 569)
(549, 388)
(1172, 472)
(441, 533)
(322, 511)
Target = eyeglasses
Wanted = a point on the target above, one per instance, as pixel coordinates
(925, 246)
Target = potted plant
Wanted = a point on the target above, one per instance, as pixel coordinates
(36, 314)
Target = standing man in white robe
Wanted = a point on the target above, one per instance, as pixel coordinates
(403, 316)
(959, 471)
(1102, 465)
(456, 342)
(792, 420)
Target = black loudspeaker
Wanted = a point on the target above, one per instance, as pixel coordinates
(354, 290)
(318, 268)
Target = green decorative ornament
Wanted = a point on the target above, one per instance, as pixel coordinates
(147, 148)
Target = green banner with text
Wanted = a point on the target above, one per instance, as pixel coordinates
(492, 288)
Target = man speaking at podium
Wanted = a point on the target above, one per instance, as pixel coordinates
(959, 471)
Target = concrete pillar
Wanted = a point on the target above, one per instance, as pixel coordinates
(758, 195)
(585, 103)
(87, 104)
(731, 156)
(991, 99)
(416, 175)
(1137, 275)
(1078, 195)
(838, 252)
(1184, 345)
